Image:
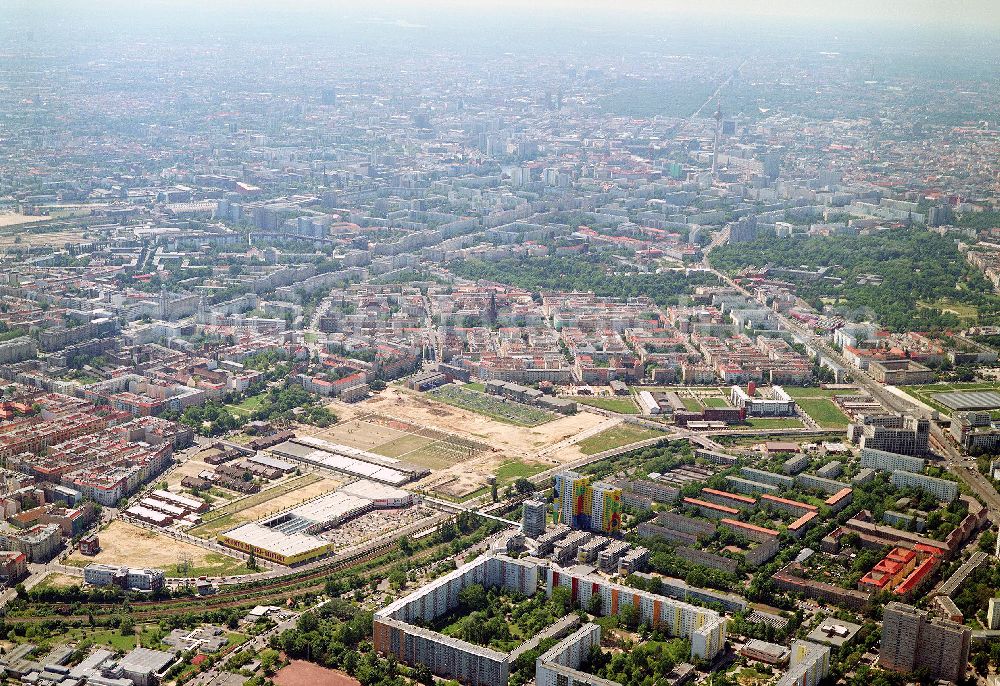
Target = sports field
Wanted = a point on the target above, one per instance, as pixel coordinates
(622, 405)
(494, 407)
(925, 392)
(824, 412)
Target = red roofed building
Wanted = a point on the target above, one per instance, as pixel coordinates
(799, 526)
(793, 506)
(751, 531)
(711, 510)
(902, 571)
(841, 499)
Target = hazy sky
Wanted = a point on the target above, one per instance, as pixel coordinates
(958, 29)
(980, 14)
(897, 11)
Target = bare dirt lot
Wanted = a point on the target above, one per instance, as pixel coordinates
(301, 673)
(359, 434)
(514, 441)
(59, 580)
(55, 239)
(14, 219)
(126, 544)
(460, 446)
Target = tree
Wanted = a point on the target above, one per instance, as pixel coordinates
(562, 598)
(472, 597)
(397, 577)
(628, 616)
(523, 486)
(252, 561)
(594, 605)
(422, 675)
(126, 626)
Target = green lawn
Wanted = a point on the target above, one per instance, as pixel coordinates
(964, 311)
(622, 405)
(774, 422)
(246, 406)
(691, 404)
(216, 564)
(234, 639)
(475, 386)
(824, 412)
(615, 437)
(515, 469)
(715, 402)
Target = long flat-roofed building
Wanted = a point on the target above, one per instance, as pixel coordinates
(396, 634)
(291, 538)
(705, 628)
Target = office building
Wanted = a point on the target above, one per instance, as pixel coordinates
(780, 404)
(905, 435)
(129, 578)
(912, 640)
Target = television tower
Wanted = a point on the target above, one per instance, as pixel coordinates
(715, 144)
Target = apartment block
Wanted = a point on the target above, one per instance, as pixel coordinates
(886, 461)
(819, 483)
(794, 507)
(560, 665)
(13, 566)
(705, 628)
(17, 349)
(395, 634)
(912, 639)
(749, 487)
(942, 489)
(765, 477)
(583, 505)
(533, 516)
(808, 665)
(740, 502)
(39, 543)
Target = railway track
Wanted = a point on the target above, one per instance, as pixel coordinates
(153, 609)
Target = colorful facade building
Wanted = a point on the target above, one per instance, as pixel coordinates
(582, 505)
